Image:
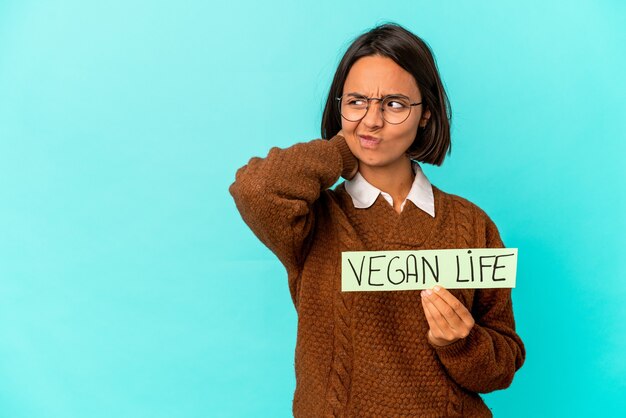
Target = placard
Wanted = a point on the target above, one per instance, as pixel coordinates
(465, 268)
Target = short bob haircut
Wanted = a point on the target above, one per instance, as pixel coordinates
(412, 54)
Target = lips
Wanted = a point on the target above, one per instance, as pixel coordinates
(368, 141)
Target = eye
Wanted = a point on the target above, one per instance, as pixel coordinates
(397, 103)
(356, 101)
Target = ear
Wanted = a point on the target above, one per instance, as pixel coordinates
(424, 119)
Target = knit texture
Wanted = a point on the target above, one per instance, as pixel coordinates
(366, 354)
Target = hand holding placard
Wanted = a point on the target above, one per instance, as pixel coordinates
(449, 320)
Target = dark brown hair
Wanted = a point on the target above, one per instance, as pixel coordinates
(412, 54)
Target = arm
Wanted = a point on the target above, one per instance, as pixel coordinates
(488, 357)
(275, 195)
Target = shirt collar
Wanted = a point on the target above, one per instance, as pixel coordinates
(421, 194)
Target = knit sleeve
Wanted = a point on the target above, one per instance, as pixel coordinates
(275, 195)
(489, 356)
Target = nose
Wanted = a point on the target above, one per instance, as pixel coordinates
(374, 114)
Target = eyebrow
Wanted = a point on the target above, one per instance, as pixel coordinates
(354, 93)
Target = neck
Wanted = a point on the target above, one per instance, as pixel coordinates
(395, 179)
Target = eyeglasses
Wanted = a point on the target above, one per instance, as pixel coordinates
(395, 108)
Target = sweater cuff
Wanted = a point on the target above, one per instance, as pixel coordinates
(349, 161)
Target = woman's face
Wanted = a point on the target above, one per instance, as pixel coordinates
(376, 76)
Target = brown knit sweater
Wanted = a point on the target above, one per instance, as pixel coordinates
(366, 354)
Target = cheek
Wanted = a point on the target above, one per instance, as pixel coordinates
(349, 130)
(348, 127)
(403, 133)
(408, 134)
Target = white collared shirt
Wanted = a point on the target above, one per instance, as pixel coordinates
(364, 194)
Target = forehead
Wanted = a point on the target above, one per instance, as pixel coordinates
(379, 75)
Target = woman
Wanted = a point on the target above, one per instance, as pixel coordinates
(380, 354)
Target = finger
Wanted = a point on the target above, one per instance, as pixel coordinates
(446, 311)
(432, 322)
(440, 326)
(455, 304)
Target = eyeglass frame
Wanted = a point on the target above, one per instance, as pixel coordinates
(381, 99)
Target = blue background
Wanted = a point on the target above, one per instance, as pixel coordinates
(130, 286)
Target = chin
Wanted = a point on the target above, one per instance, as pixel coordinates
(379, 161)
(374, 162)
